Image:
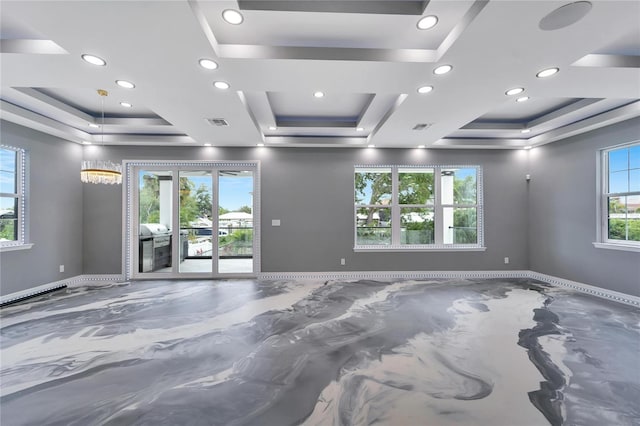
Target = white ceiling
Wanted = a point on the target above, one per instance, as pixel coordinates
(368, 57)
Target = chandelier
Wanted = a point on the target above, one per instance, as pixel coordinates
(101, 171)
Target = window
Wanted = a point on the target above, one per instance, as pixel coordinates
(12, 200)
(620, 197)
(418, 208)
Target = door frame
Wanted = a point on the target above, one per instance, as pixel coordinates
(130, 214)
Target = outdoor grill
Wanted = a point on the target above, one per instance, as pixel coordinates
(155, 247)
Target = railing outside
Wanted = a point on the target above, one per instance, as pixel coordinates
(234, 242)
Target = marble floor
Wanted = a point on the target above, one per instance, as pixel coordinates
(389, 352)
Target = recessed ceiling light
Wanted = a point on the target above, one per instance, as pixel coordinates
(442, 69)
(232, 16)
(548, 72)
(207, 144)
(421, 146)
(525, 130)
(273, 128)
(221, 85)
(425, 89)
(208, 64)
(359, 129)
(514, 91)
(95, 126)
(527, 147)
(522, 99)
(318, 94)
(94, 60)
(86, 143)
(260, 144)
(427, 22)
(126, 104)
(371, 146)
(126, 84)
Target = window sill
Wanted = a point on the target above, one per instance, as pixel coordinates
(392, 249)
(15, 247)
(618, 246)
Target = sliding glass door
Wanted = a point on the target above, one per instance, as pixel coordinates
(235, 221)
(192, 219)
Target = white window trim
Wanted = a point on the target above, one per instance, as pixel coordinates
(396, 247)
(602, 171)
(21, 173)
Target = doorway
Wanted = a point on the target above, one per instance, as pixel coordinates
(191, 219)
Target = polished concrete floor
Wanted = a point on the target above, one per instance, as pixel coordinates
(438, 352)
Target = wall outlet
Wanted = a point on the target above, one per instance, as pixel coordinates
(343, 261)
(61, 268)
(506, 260)
(275, 222)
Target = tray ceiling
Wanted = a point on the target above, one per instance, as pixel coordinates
(367, 58)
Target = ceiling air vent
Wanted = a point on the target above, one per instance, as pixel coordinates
(217, 122)
(422, 126)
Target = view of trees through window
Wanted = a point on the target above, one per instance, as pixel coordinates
(9, 194)
(623, 193)
(196, 204)
(417, 205)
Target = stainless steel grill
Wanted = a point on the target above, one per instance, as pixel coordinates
(155, 247)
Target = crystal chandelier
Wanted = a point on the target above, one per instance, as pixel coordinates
(101, 171)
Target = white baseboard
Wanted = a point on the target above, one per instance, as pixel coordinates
(549, 279)
(77, 281)
(355, 275)
(585, 288)
(97, 280)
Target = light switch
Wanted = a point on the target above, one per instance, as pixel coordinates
(275, 222)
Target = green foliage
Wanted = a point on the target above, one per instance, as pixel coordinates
(149, 200)
(188, 204)
(617, 229)
(239, 242)
(415, 188)
(203, 201)
(465, 228)
(245, 209)
(380, 187)
(464, 190)
(419, 226)
(7, 229)
(615, 206)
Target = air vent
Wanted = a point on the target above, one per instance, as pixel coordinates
(217, 122)
(422, 126)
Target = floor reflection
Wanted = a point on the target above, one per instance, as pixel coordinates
(390, 352)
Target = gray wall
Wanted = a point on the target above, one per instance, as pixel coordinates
(56, 208)
(546, 225)
(562, 202)
(311, 192)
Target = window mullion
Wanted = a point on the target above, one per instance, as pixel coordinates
(437, 208)
(395, 208)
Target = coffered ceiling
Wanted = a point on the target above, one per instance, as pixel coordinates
(368, 58)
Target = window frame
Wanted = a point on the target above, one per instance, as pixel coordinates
(437, 205)
(603, 195)
(21, 197)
